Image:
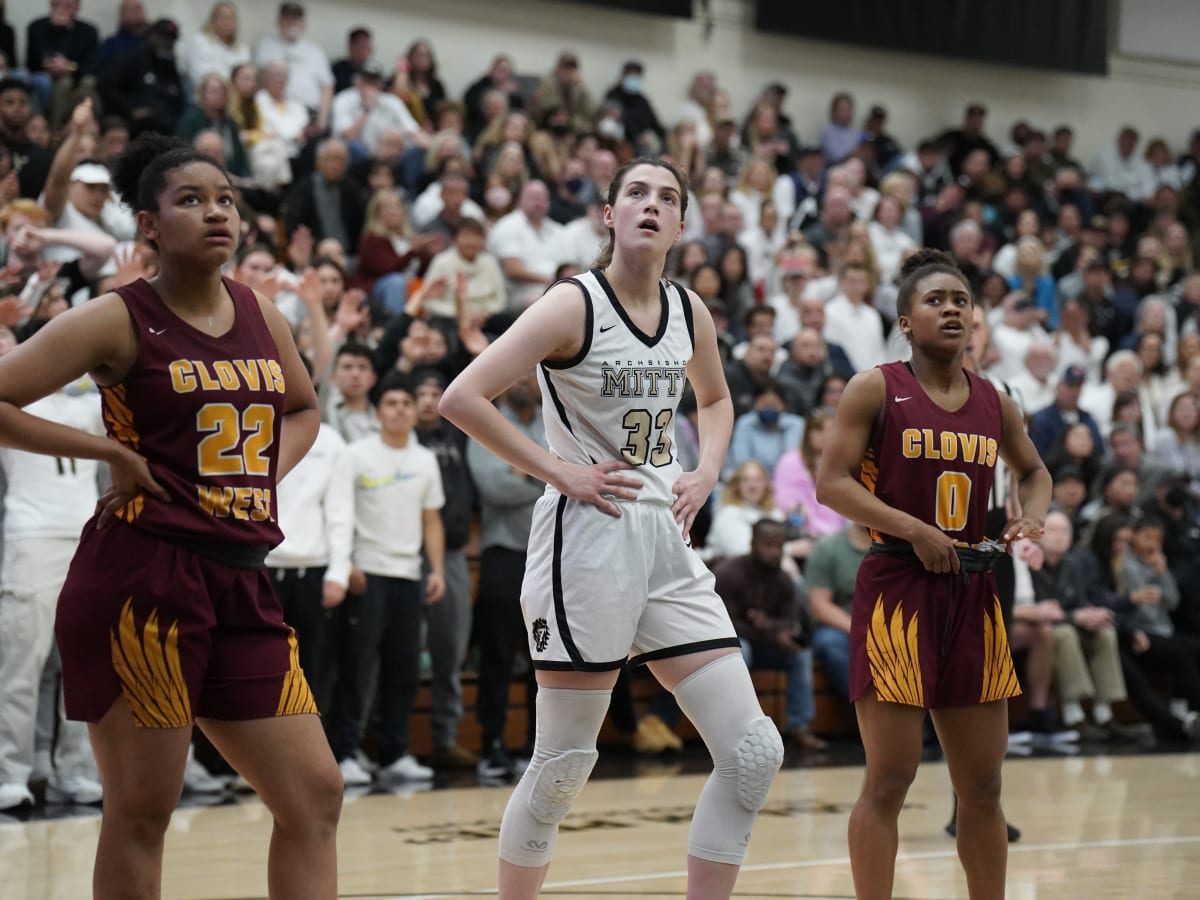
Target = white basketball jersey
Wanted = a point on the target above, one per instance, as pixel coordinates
(616, 399)
(53, 496)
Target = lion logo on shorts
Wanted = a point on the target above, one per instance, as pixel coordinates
(541, 634)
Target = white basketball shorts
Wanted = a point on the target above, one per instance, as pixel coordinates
(599, 590)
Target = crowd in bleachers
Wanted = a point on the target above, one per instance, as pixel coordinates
(401, 228)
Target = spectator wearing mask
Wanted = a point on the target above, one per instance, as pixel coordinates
(640, 121)
(764, 433)
(310, 79)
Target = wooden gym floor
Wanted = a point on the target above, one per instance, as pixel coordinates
(1093, 826)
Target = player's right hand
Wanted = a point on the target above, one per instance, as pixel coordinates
(598, 484)
(935, 549)
(130, 479)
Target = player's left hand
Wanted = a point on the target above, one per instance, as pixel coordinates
(1022, 528)
(692, 491)
(435, 588)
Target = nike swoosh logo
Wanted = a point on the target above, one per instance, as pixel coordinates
(159, 331)
(902, 399)
(604, 328)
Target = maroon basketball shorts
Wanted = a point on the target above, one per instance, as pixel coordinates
(927, 640)
(180, 635)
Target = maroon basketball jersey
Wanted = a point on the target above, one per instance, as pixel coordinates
(933, 464)
(205, 413)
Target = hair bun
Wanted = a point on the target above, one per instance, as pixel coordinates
(927, 257)
(129, 167)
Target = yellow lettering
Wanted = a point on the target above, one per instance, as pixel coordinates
(241, 500)
(262, 505)
(970, 445)
(227, 375)
(991, 451)
(931, 450)
(207, 382)
(268, 379)
(215, 500)
(276, 374)
(911, 443)
(249, 372)
(182, 378)
(949, 445)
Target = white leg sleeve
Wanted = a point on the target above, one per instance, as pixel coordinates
(563, 756)
(746, 749)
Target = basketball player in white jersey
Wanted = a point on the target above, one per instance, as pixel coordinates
(610, 571)
(46, 505)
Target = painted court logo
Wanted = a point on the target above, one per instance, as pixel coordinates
(541, 634)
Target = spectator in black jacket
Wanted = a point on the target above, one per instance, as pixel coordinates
(57, 48)
(31, 162)
(326, 202)
(449, 620)
(637, 115)
(145, 87)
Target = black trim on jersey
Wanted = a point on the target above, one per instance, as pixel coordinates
(558, 405)
(560, 609)
(588, 324)
(687, 313)
(554, 666)
(684, 649)
(664, 320)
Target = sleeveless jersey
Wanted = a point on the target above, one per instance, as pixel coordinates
(205, 413)
(616, 399)
(935, 465)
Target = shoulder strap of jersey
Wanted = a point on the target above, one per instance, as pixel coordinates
(589, 322)
(688, 315)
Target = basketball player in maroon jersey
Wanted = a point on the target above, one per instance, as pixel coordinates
(911, 456)
(167, 617)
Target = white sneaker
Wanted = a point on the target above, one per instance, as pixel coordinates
(13, 795)
(76, 790)
(43, 766)
(198, 780)
(408, 769)
(353, 775)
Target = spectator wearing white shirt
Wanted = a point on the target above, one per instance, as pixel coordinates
(583, 238)
(483, 290)
(1035, 383)
(1120, 170)
(888, 238)
(794, 271)
(311, 78)
(397, 502)
(311, 568)
(526, 242)
(852, 322)
(281, 117)
(364, 112)
(215, 48)
(1014, 334)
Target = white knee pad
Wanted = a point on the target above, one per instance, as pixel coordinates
(746, 749)
(563, 756)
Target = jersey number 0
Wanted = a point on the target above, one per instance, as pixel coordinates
(953, 497)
